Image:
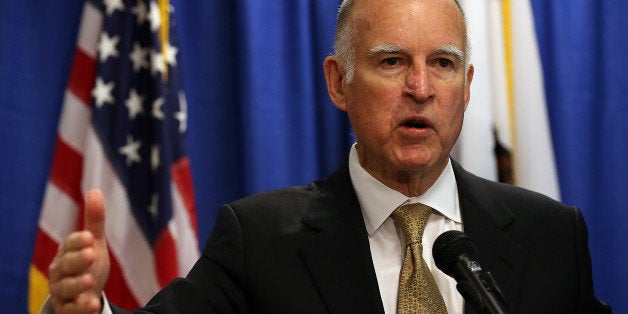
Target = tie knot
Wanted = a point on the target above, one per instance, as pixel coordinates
(412, 218)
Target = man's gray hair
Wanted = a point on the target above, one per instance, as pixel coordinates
(345, 39)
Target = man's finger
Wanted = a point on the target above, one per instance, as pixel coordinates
(71, 263)
(95, 213)
(76, 241)
(84, 303)
(70, 287)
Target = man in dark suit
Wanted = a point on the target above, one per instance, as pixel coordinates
(402, 74)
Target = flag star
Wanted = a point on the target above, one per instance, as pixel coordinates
(131, 150)
(157, 113)
(107, 46)
(154, 157)
(138, 57)
(171, 54)
(140, 11)
(112, 5)
(134, 103)
(102, 92)
(182, 115)
(157, 62)
(154, 16)
(153, 208)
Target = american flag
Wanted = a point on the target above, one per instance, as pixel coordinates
(122, 130)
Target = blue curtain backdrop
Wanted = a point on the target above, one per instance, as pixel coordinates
(583, 47)
(260, 118)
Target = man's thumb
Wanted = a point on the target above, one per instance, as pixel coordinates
(95, 213)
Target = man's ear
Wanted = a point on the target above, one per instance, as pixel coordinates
(467, 87)
(335, 82)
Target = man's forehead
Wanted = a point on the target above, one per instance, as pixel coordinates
(368, 11)
(357, 4)
(381, 25)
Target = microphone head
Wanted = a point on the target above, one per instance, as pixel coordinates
(449, 246)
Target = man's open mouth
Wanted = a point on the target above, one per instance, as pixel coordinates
(415, 124)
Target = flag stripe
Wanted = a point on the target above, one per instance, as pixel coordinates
(510, 84)
(184, 219)
(474, 147)
(182, 177)
(66, 170)
(89, 30)
(535, 168)
(44, 252)
(38, 291)
(123, 296)
(59, 214)
(165, 249)
(82, 76)
(83, 71)
(75, 115)
(498, 78)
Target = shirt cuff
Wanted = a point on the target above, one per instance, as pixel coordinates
(106, 309)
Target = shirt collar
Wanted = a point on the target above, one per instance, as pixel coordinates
(378, 201)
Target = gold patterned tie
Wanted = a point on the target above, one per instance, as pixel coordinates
(418, 292)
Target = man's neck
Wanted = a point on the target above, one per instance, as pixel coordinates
(409, 183)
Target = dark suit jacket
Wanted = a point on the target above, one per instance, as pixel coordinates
(306, 250)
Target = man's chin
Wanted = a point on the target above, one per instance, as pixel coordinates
(420, 159)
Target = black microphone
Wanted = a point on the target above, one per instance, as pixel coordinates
(455, 254)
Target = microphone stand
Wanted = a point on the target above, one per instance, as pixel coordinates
(479, 288)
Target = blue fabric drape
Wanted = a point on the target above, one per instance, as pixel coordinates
(260, 117)
(583, 50)
(36, 45)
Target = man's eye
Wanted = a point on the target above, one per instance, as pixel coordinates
(391, 61)
(443, 63)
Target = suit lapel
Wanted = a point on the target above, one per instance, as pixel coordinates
(485, 220)
(338, 257)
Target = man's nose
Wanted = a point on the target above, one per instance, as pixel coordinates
(419, 84)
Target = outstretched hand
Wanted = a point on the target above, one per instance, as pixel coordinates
(80, 269)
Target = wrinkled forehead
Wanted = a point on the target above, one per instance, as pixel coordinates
(398, 18)
(347, 6)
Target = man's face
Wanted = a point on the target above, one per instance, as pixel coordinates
(407, 98)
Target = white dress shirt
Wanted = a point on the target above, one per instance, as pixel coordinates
(378, 201)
